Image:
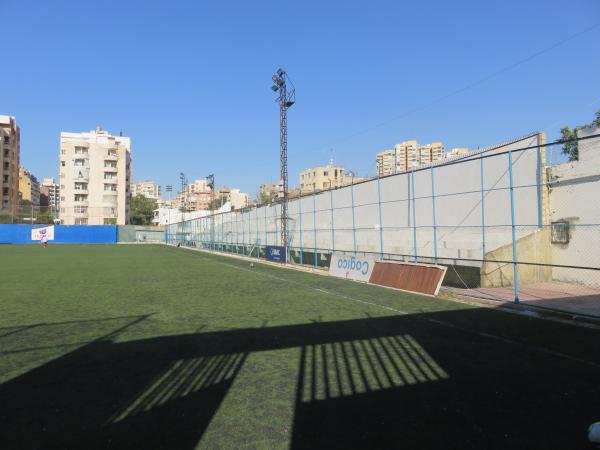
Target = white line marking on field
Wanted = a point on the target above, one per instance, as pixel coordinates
(436, 321)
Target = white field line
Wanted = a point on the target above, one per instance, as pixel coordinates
(435, 321)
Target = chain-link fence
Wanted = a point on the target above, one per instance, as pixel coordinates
(507, 225)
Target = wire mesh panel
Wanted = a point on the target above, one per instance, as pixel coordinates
(512, 221)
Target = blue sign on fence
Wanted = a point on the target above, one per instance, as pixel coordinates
(276, 253)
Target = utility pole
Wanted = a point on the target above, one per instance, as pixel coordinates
(286, 99)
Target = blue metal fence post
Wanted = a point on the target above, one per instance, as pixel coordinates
(353, 222)
(512, 219)
(256, 240)
(539, 187)
(414, 214)
(314, 229)
(266, 230)
(243, 233)
(332, 227)
(300, 226)
(482, 207)
(435, 247)
(380, 218)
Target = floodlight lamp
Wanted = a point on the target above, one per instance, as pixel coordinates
(280, 72)
(280, 82)
(275, 88)
(274, 78)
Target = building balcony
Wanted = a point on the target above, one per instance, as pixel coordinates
(111, 180)
(109, 157)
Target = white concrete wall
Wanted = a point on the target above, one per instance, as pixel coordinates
(574, 198)
(457, 202)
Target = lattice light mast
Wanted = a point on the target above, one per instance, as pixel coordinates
(287, 97)
(184, 184)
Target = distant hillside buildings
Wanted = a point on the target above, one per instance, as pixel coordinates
(147, 189)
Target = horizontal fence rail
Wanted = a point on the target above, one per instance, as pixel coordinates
(500, 218)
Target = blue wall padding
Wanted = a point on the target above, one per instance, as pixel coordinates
(63, 234)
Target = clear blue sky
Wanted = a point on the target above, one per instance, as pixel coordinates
(189, 81)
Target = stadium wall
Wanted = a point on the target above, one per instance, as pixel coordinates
(63, 234)
(394, 215)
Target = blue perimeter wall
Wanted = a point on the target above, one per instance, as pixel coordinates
(63, 234)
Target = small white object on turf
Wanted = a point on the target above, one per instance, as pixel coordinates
(594, 433)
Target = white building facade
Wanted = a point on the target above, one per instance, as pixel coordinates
(95, 173)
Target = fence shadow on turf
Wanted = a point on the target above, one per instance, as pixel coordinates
(388, 382)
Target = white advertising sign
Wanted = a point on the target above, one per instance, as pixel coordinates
(352, 267)
(37, 233)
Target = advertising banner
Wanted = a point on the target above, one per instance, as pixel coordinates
(276, 253)
(37, 233)
(352, 267)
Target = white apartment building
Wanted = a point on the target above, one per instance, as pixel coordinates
(408, 155)
(95, 172)
(456, 152)
(10, 147)
(51, 191)
(148, 189)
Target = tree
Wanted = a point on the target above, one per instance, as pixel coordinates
(263, 198)
(569, 141)
(569, 138)
(219, 201)
(142, 210)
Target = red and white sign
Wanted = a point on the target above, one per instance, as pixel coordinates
(38, 233)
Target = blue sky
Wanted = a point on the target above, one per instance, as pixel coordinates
(189, 81)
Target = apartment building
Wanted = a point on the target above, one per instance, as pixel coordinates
(10, 147)
(148, 189)
(95, 173)
(237, 199)
(50, 194)
(196, 197)
(322, 178)
(267, 192)
(29, 187)
(456, 152)
(408, 155)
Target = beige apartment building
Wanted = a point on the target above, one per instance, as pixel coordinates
(95, 173)
(268, 192)
(29, 187)
(10, 147)
(322, 178)
(408, 155)
(197, 197)
(147, 189)
(237, 199)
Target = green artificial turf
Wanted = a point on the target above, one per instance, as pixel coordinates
(143, 346)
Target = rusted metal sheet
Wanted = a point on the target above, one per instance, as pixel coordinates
(421, 278)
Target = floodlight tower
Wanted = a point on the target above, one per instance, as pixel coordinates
(287, 97)
(184, 183)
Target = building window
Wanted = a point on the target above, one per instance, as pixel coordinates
(62, 151)
(79, 162)
(80, 197)
(81, 221)
(560, 233)
(62, 199)
(110, 176)
(81, 186)
(81, 151)
(112, 164)
(110, 187)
